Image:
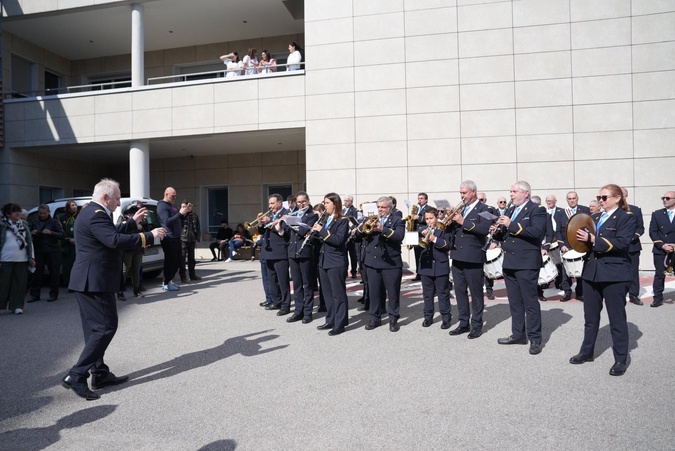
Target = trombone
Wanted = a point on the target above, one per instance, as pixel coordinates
(256, 222)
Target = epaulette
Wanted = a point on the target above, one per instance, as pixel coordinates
(629, 212)
(102, 211)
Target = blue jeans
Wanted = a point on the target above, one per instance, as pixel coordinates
(234, 245)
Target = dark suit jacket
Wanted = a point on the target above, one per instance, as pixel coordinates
(353, 212)
(522, 240)
(580, 209)
(661, 230)
(609, 261)
(274, 246)
(98, 262)
(296, 238)
(333, 252)
(434, 259)
(561, 219)
(397, 212)
(635, 245)
(421, 223)
(468, 240)
(383, 250)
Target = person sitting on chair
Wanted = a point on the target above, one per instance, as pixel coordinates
(222, 241)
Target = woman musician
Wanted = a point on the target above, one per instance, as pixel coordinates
(606, 275)
(434, 270)
(333, 234)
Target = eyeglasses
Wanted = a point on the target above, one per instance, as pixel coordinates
(603, 198)
(666, 198)
(502, 201)
(482, 200)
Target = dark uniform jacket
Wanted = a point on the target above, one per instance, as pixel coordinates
(297, 237)
(434, 260)
(609, 260)
(383, 250)
(274, 246)
(635, 245)
(523, 238)
(333, 253)
(661, 230)
(469, 239)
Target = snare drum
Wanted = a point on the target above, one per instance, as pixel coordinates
(573, 263)
(554, 253)
(548, 271)
(493, 266)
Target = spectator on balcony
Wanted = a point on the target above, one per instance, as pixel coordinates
(234, 66)
(294, 58)
(267, 63)
(250, 62)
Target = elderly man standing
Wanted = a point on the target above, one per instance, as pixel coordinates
(662, 233)
(522, 230)
(171, 219)
(95, 279)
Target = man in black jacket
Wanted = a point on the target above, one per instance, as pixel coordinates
(189, 237)
(47, 234)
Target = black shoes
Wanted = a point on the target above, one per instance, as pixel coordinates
(214, 259)
(511, 340)
(184, 279)
(656, 304)
(324, 326)
(53, 297)
(580, 358)
(445, 325)
(542, 298)
(322, 309)
(535, 349)
(307, 319)
(265, 304)
(634, 300)
(618, 369)
(361, 300)
(334, 332)
(373, 324)
(138, 294)
(33, 299)
(121, 296)
(273, 307)
(580, 297)
(99, 382)
(491, 296)
(195, 277)
(566, 297)
(460, 330)
(79, 386)
(475, 333)
(293, 318)
(427, 322)
(283, 312)
(393, 326)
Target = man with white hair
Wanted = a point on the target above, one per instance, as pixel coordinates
(95, 279)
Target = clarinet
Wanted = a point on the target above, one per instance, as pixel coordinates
(499, 229)
(322, 220)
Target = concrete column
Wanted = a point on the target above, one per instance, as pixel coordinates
(137, 46)
(139, 168)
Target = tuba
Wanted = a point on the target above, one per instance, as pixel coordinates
(575, 223)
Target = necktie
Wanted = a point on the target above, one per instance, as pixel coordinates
(515, 213)
(551, 211)
(602, 220)
(330, 219)
(466, 210)
(574, 210)
(344, 211)
(383, 220)
(671, 214)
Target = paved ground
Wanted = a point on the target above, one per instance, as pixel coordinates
(210, 370)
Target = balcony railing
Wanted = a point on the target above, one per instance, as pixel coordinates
(229, 74)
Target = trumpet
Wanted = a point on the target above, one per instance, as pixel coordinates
(256, 222)
(445, 222)
(426, 239)
(369, 225)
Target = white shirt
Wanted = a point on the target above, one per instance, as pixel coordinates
(232, 68)
(293, 61)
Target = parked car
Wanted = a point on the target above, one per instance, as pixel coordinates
(153, 258)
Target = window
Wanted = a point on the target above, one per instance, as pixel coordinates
(284, 190)
(49, 193)
(24, 77)
(53, 82)
(216, 207)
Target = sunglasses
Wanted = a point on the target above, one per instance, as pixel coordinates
(603, 198)
(502, 201)
(666, 198)
(482, 200)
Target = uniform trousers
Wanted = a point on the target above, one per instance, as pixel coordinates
(335, 295)
(280, 287)
(521, 289)
(614, 294)
(303, 289)
(351, 250)
(172, 257)
(436, 286)
(469, 277)
(98, 312)
(567, 284)
(659, 277)
(265, 281)
(489, 285)
(384, 283)
(634, 289)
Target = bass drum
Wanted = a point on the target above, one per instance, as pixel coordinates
(573, 263)
(548, 271)
(493, 266)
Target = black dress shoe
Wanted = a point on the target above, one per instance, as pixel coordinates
(656, 304)
(293, 318)
(581, 358)
(138, 294)
(98, 382)
(491, 296)
(307, 319)
(579, 297)
(511, 340)
(79, 386)
(54, 297)
(535, 349)
(373, 324)
(618, 369)
(322, 309)
(273, 307)
(195, 277)
(184, 279)
(635, 300)
(324, 326)
(394, 327)
(460, 330)
(427, 322)
(141, 288)
(566, 297)
(121, 296)
(214, 259)
(283, 312)
(361, 300)
(543, 298)
(475, 333)
(445, 325)
(334, 332)
(265, 304)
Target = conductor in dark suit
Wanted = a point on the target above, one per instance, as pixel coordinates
(469, 231)
(522, 230)
(383, 262)
(607, 275)
(95, 279)
(662, 233)
(634, 251)
(351, 213)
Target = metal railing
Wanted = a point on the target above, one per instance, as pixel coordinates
(227, 74)
(69, 89)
